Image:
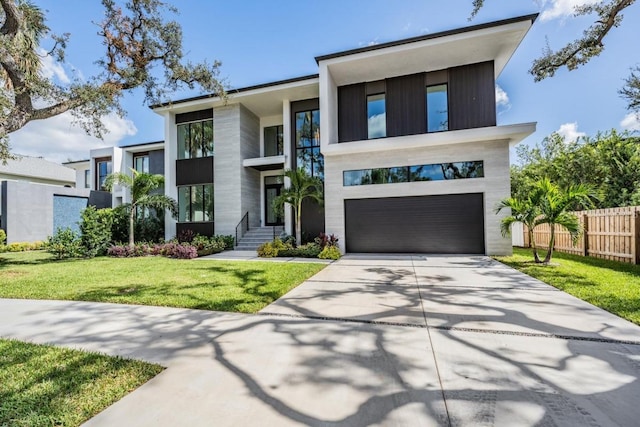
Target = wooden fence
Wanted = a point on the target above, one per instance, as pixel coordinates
(612, 234)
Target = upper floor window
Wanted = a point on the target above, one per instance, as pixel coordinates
(437, 108)
(273, 141)
(195, 139)
(308, 154)
(376, 116)
(103, 169)
(141, 162)
(87, 178)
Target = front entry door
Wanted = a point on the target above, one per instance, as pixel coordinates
(272, 189)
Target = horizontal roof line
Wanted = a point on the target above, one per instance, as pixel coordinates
(243, 89)
(531, 18)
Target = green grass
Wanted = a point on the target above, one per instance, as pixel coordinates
(611, 285)
(48, 386)
(239, 286)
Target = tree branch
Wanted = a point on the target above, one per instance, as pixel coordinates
(11, 17)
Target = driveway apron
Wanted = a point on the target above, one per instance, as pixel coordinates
(369, 340)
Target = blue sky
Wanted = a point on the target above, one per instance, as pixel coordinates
(259, 41)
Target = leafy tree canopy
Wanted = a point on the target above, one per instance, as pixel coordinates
(142, 49)
(609, 163)
(607, 16)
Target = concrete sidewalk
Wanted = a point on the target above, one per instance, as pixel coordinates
(393, 340)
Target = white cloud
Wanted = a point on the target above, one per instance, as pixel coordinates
(561, 8)
(377, 125)
(51, 68)
(631, 122)
(56, 139)
(502, 98)
(369, 43)
(570, 132)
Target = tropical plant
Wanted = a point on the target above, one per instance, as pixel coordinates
(301, 186)
(554, 204)
(95, 230)
(522, 211)
(141, 186)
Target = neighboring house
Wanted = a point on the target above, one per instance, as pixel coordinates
(403, 135)
(36, 197)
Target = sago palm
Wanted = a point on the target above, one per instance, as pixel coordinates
(141, 186)
(301, 186)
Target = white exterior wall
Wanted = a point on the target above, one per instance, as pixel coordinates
(495, 185)
(170, 156)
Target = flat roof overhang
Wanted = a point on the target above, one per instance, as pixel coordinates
(512, 133)
(263, 100)
(495, 41)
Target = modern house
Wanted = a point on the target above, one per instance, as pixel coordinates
(404, 136)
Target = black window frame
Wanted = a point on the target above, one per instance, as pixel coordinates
(190, 151)
(312, 151)
(190, 209)
(99, 177)
(404, 174)
(279, 140)
(426, 93)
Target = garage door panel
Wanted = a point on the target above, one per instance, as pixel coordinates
(426, 224)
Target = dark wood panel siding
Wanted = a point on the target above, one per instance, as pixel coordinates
(406, 105)
(352, 113)
(194, 116)
(452, 223)
(156, 162)
(472, 98)
(194, 171)
(201, 228)
(312, 220)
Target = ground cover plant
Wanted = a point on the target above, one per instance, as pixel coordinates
(239, 286)
(611, 285)
(48, 386)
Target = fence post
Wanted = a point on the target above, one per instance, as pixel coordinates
(635, 239)
(585, 235)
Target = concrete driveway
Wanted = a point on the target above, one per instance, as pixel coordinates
(367, 341)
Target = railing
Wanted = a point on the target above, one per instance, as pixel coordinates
(243, 225)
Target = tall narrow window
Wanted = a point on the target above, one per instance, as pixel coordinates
(437, 108)
(195, 139)
(273, 141)
(87, 178)
(103, 169)
(141, 162)
(308, 154)
(376, 116)
(195, 203)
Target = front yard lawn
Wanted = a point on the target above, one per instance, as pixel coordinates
(240, 286)
(611, 285)
(47, 386)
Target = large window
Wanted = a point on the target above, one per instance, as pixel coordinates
(195, 203)
(432, 172)
(195, 139)
(308, 154)
(103, 169)
(141, 162)
(437, 108)
(273, 141)
(376, 116)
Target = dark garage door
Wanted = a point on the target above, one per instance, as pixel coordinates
(447, 224)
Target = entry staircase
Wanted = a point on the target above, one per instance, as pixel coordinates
(254, 237)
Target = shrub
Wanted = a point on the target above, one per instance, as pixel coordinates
(172, 250)
(228, 240)
(325, 240)
(95, 230)
(22, 246)
(330, 252)
(186, 236)
(150, 228)
(271, 249)
(208, 245)
(65, 243)
(3, 237)
(309, 250)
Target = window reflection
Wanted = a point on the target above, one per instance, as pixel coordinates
(437, 108)
(376, 116)
(307, 136)
(195, 139)
(432, 172)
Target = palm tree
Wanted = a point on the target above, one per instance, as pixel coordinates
(141, 185)
(524, 212)
(554, 204)
(301, 186)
